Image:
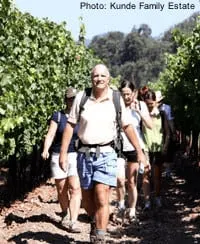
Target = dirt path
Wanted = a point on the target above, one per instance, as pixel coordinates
(35, 219)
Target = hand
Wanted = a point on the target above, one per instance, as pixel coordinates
(63, 161)
(142, 158)
(135, 105)
(45, 155)
(147, 166)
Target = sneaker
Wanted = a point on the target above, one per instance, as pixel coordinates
(120, 212)
(133, 219)
(158, 202)
(73, 228)
(147, 206)
(65, 220)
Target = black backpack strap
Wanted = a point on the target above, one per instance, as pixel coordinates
(86, 94)
(163, 117)
(140, 108)
(139, 103)
(165, 128)
(116, 101)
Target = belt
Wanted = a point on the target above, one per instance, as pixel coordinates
(96, 145)
(95, 148)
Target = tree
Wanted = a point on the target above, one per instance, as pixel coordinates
(182, 82)
(107, 47)
(144, 30)
(132, 48)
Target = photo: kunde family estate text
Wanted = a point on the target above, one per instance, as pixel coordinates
(139, 5)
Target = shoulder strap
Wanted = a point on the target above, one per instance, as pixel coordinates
(59, 117)
(140, 108)
(86, 95)
(163, 117)
(139, 103)
(116, 101)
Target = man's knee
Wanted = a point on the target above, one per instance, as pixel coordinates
(102, 195)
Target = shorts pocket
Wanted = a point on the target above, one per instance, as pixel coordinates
(111, 167)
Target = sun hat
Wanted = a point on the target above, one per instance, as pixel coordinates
(71, 92)
(159, 96)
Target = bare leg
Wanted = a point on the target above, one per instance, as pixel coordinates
(102, 205)
(62, 190)
(75, 197)
(121, 178)
(121, 192)
(88, 201)
(146, 184)
(132, 187)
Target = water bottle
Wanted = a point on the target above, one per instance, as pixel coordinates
(141, 168)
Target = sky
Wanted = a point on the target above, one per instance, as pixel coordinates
(102, 16)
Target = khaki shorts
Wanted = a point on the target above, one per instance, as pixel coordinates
(57, 172)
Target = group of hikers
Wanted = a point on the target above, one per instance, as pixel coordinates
(85, 164)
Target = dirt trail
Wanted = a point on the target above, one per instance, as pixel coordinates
(36, 220)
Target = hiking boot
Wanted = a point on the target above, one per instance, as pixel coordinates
(133, 219)
(158, 202)
(100, 239)
(73, 228)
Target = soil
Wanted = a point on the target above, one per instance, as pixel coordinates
(35, 219)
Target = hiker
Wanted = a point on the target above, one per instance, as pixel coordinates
(157, 141)
(67, 183)
(139, 117)
(173, 138)
(97, 160)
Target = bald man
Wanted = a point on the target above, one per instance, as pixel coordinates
(97, 160)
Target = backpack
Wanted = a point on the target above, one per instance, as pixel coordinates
(118, 142)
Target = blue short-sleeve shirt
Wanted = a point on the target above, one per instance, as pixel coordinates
(61, 119)
(168, 111)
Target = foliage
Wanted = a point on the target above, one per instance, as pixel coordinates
(185, 27)
(181, 80)
(38, 60)
(135, 56)
(144, 30)
(108, 48)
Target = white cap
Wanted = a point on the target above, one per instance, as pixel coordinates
(71, 92)
(159, 96)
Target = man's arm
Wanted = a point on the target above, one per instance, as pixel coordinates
(66, 138)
